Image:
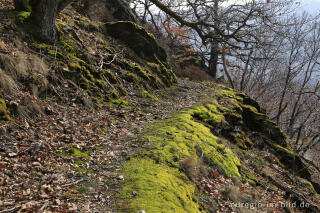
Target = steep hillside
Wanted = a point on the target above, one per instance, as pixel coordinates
(85, 58)
(98, 122)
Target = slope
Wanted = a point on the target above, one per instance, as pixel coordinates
(98, 122)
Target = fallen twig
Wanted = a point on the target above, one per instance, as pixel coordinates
(43, 208)
(11, 210)
(73, 183)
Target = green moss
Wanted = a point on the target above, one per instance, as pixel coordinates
(61, 24)
(230, 93)
(241, 139)
(74, 66)
(115, 95)
(145, 94)
(158, 188)
(122, 90)
(74, 152)
(79, 162)
(22, 16)
(132, 78)
(78, 153)
(122, 103)
(278, 147)
(208, 114)
(80, 170)
(307, 184)
(173, 140)
(4, 113)
(87, 24)
(164, 72)
(251, 179)
(111, 77)
(182, 136)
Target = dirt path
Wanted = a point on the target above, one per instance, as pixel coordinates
(68, 158)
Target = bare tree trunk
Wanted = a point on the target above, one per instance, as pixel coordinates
(43, 15)
(225, 67)
(213, 61)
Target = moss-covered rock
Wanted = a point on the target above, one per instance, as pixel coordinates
(156, 188)
(154, 173)
(138, 39)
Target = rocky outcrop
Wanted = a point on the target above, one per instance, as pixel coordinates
(105, 10)
(138, 39)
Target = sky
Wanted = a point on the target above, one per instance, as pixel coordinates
(312, 6)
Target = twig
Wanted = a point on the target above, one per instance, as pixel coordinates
(43, 208)
(73, 183)
(11, 210)
(109, 83)
(107, 63)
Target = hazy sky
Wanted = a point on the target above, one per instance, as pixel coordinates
(311, 6)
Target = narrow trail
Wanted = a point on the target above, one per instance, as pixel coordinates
(68, 159)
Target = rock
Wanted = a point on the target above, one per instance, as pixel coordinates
(106, 11)
(138, 39)
(120, 177)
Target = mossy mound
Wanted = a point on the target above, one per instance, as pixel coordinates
(156, 188)
(153, 174)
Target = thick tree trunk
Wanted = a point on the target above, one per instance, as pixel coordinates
(213, 61)
(43, 15)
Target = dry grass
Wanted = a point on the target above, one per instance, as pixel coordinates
(20, 68)
(7, 84)
(233, 193)
(190, 167)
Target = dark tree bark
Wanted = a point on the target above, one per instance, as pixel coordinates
(43, 15)
(213, 61)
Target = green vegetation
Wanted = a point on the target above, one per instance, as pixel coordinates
(4, 113)
(158, 188)
(176, 143)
